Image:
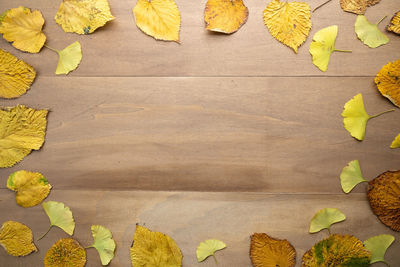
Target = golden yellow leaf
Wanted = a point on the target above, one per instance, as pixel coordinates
(69, 58)
(16, 76)
(289, 23)
(158, 18)
(225, 16)
(394, 25)
(65, 252)
(17, 239)
(22, 130)
(24, 29)
(154, 249)
(83, 16)
(388, 82)
(396, 142)
(354, 6)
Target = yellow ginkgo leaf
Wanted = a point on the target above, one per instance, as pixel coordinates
(394, 25)
(388, 82)
(354, 6)
(225, 16)
(83, 16)
(396, 142)
(65, 252)
(369, 33)
(24, 29)
(22, 130)
(158, 18)
(17, 239)
(289, 23)
(103, 243)
(68, 58)
(60, 216)
(208, 248)
(16, 76)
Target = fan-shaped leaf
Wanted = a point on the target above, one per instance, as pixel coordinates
(208, 248)
(351, 176)
(60, 216)
(369, 33)
(103, 243)
(378, 245)
(324, 218)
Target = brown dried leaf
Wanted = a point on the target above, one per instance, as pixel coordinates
(354, 6)
(372, 2)
(394, 25)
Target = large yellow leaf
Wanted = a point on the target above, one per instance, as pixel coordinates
(225, 16)
(66, 252)
(16, 76)
(388, 82)
(289, 23)
(83, 16)
(394, 25)
(22, 130)
(17, 239)
(24, 29)
(158, 18)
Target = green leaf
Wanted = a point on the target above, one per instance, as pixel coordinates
(369, 33)
(60, 216)
(103, 243)
(351, 176)
(324, 218)
(378, 245)
(208, 248)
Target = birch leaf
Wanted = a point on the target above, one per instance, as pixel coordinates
(351, 176)
(17, 239)
(394, 25)
(208, 248)
(388, 82)
(324, 219)
(65, 252)
(396, 142)
(369, 33)
(60, 216)
(103, 243)
(69, 58)
(378, 245)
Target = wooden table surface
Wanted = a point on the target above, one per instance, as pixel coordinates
(216, 137)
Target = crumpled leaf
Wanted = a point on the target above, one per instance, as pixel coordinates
(354, 6)
(337, 250)
(65, 252)
(154, 249)
(289, 23)
(369, 33)
(396, 142)
(103, 243)
(384, 198)
(208, 248)
(394, 25)
(266, 251)
(17, 239)
(158, 18)
(225, 16)
(324, 218)
(31, 187)
(378, 245)
(69, 58)
(351, 176)
(16, 76)
(22, 130)
(60, 216)
(388, 82)
(83, 16)
(24, 29)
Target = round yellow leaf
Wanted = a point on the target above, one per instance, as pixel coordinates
(394, 25)
(388, 82)
(65, 252)
(17, 239)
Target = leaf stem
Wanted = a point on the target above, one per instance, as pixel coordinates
(339, 50)
(377, 115)
(321, 5)
(48, 230)
(215, 259)
(91, 246)
(381, 20)
(52, 49)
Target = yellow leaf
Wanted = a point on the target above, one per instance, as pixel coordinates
(103, 243)
(289, 23)
(83, 16)
(69, 58)
(15, 75)
(396, 142)
(354, 6)
(24, 29)
(369, 33)
(65, 252)
(394, 25)
(17, 239)
(158, 18)
(22, 130)
(225, 16)
(60, 216)
(208, 248)
(154, 249)
(388, 82)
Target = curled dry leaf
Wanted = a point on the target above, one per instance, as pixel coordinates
(351, 176)
(388, 82)
(354, 6)
(378, 245)
(17, 239)
(394, 25)
(396, 142)
(324, 218)
(369, 33)
(60, 216)
(103, 243)
(208, 248)
(65, 252)
(372, 2)
(266, 251)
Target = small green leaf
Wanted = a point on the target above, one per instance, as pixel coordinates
(103, 243)
(378, 245)
(369, 33)
(208, 248)
(351, 176)
(60, 216)
(324, 218)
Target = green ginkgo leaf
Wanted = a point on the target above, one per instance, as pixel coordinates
(103, 243)
(208, 248)
(351, 176)
(60, 216)
(324, 218)
(369, 33)
(378, 245)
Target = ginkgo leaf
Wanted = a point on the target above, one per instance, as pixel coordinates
(83, 16)
(394, 25)
(369, 33)
(24, 29)
(384, 198)
(22, 130)
(396, 142)
(158, 18)
(103, 243)
(324, 218)
(337, 250)
(153, 249)
(351, 176)
(65, 252)
(208, 248)
(354, 6)
(289, 23)
(31, 187)
(60, 216)
(69, 58)
(16, 76)
(378, 245)
(266, 251)
(17, 239)
(225, 16)
(388, 82)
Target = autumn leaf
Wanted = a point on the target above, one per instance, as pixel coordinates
(225, 16)
(369, 33)
(60, 216)
(394, 25)
(396, 142)
(153, 249)
(384, 198)
(337, 250)
(266, 251)
(69, 58)
(289, 23)
(17, 239)
(388, 82)
(22, 130)
(83, 16)
(24, 29)
(208, 248)
(354, 6)
(65, 252)
(324, 218)
(378, 245)
(103, 243)
(351, 176)
(16, 76)
(158, 18)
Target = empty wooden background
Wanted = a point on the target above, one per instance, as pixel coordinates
(216, 137)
